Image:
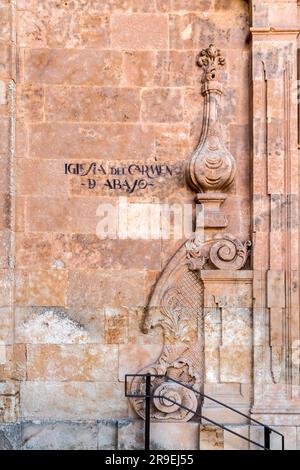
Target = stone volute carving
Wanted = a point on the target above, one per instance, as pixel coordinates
(212, 168)
(222, 252)
(177, 302)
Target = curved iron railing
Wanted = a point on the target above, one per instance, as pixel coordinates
(148, 396)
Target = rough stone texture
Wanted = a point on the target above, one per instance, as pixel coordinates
(65, 363)
(10, 436)
(177, 436)
(134, 357)
(233, 442)
(211, 438)
(139, 31)
(289, 432)
(59, 436)
(72, 400)
(9, 401)
(42, 325)
(131, 435)
(107, 435)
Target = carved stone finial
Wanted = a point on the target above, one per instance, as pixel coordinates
(211, 60)
(212, 167)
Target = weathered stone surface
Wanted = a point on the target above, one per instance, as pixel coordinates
(77, 141)
(5, 130)
(186, 29)
(85, 363)
(94, 104)
(131, 435)
(59, 435)
(6, 325)
(139, 68)
(233, 442)
(139, 31)
(40, 178)
(289, 432)
(4, 248)
(232, 394)
(135, 321)
(235, 351)
(5, 61)
(116, 325)
(162, 105)
(13, 364)
(6, 98)
(30, 102)
(85, 67)
(172, 141)
(107, 435)
(9, 402)
(10, 436)
(211, 438)
(68, 215)
(41, 28)
(135, 357)
(92, 289)
(72, 400)
(42, 325)
(78, 251)
(46, 288)
(193, 5)
(5, 288)
(5, 25)
(164, 436)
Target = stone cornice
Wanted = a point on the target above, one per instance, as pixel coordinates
(272, 30)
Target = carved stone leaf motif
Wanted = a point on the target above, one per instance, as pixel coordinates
(211, 61)
(177, 319)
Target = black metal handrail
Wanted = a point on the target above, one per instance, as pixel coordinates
(149, 396)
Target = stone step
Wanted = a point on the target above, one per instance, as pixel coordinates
(186, 436)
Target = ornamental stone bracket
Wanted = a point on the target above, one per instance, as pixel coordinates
(177, 304)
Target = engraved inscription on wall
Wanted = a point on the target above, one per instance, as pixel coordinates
(130, 178)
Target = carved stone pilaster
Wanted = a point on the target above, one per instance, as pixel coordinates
(275, 218)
